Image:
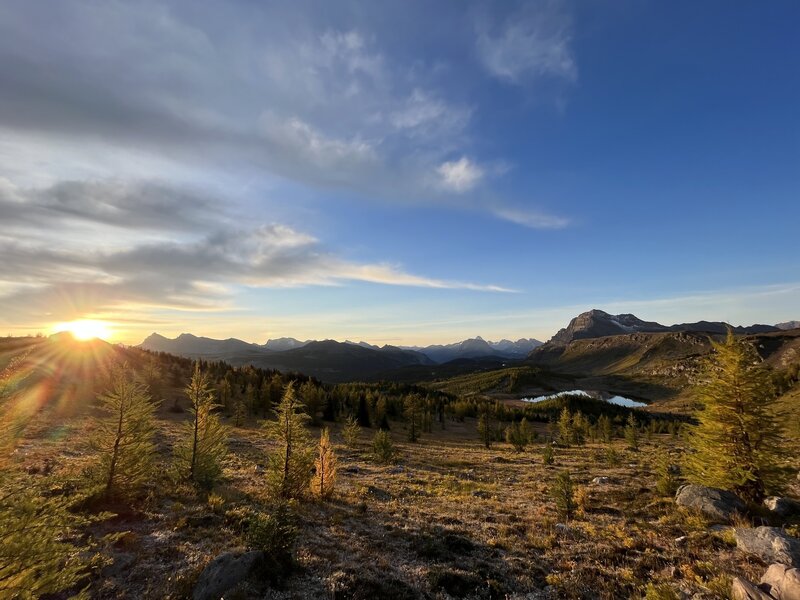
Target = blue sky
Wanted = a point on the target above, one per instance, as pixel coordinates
(399, 174)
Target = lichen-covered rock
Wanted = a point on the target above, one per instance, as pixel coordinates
(714, 503)
(782, 582)
(770, 544)
(224, 573)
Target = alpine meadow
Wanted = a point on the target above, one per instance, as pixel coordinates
(394, 301)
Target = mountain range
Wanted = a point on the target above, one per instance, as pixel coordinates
(330, 360)
(334, 361)
(597, 323)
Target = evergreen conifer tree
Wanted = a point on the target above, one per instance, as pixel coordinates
(632, 432)
(38, 553)
(290, 465)
(123, 435)
(205, 441)
(738, 442)
(413, 412)
(485, 430)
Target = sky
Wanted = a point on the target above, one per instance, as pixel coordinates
(401, 173)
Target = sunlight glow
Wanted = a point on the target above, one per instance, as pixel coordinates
(86, 329)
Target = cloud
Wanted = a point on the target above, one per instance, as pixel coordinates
(532, 219)
(532, 43)
(140, 205)
(201, 269)
(159, 90)
(460, 175)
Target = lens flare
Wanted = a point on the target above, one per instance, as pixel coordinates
(86, 329)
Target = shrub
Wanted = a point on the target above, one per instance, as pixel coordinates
(660, 591)
(548, 455)
(518, 435)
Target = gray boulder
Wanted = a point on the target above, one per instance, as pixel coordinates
(770, 544)
(782, 582)
(224, 573)
(782, 507)
(741, 589)
(714, 503)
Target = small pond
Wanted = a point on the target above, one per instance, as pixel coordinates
(608, 397)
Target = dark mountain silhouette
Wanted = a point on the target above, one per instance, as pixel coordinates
(478, 348)
(328, 360)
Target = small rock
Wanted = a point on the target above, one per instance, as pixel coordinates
(771, 544)
(782, 507)
(481, 494)
(782, 582)
(741, 589)
(712, 502)
(600, 480)
(681, 540)
(224, 573)
(379, 494)
(396, 470)
(562, 528)
(352, 469)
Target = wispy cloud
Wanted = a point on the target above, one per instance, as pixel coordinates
(532, 218)
(152, 267)
(531, 43)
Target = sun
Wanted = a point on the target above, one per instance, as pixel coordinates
(86, 329)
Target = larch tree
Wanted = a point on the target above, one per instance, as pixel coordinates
(566, 431)
(153, 377)
(350, 432)
(290, 465)
(205, 441)
(632, 432)
(123, 437)
(738, 444)
(324, 480)
(605, 428)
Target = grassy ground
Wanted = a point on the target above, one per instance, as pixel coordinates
(448, 518)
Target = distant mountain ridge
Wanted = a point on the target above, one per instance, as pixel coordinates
(194, 346)
(477, 347)
(597, 323)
